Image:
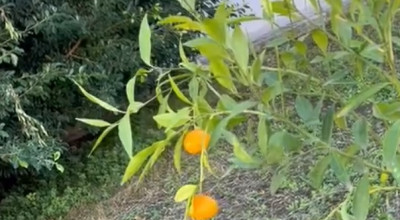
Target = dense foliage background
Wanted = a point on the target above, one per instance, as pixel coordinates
(43, 45)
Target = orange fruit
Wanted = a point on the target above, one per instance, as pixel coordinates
(194, 141)
(203, 207)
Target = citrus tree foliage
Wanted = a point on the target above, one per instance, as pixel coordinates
(46, 43)
(293, 121)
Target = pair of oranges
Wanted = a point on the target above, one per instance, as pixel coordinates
(203, 207)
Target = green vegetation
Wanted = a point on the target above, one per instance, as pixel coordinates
(305, 129)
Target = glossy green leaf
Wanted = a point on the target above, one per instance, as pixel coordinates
(276, 181)
(262, 134)
(316, 175)
(387, 111)
(102, 136)
(339, 169)
(360, 133)
(361, 199)
(177, 91)
(145, 41)
(96, 100)
(94, 122)
(185, 192)
(222, 73)
(391, 142)
(125, 134)
(240, 47)
(327, 126)
(178, 153)
(320, 39)
(136, 163)
(358, 99)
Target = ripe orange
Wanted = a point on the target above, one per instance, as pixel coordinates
(203, 207)
(194, 141)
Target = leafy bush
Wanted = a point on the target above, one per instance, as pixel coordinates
(46, 43)
(51, 195)
(303, 107)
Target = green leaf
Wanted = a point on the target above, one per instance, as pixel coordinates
(182, 53)
(262, 133)
(22, 163)
(360, 133)
(222, 74)
(125, 134)
(320, 39)
(173, 119)
(94, 122)
(206, 164)
(130, 89)
(286, 140)
(177, 91)
(216, 29)
(358, 99)
(327, 126)
(102, 136)
(271, 92)
(387, 111)
(276, 181)
(194, 88)
(160, 147)
(136, 163)
(96, 100)
(391, 142)
(256, 68)
(220, 128)
(240, 48)
(238, 151)
(241, 19)
(145, 41)
(276, 147)
(304, 109)
(342, 28)
(373, 52)
(177, 153)
(185, 192)
(301, 48)
(135, 107)
(339, 169)
(335, 5)
(361, 199)
(188, 5)
(316, 175)
(59, 167)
